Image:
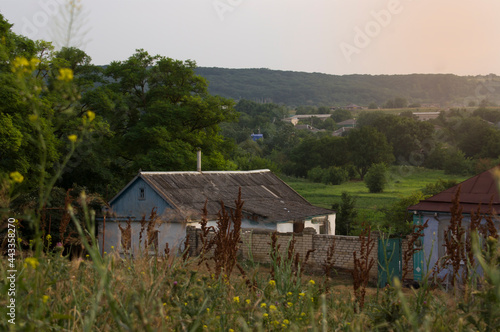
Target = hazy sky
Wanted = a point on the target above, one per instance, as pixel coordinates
(328, 36)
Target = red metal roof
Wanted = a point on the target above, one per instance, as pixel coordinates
(477, 190)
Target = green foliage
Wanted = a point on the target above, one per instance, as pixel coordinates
(397, 218)
(293, 88)
(396, 103)
(340, 115)
(332, 175)
(376, 178)
(440, 185)
(346, 213)
(368, 146)
(457, 163)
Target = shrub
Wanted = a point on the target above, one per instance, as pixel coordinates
(346, 213)
(376, 178)
(332, 175)
(456, 163)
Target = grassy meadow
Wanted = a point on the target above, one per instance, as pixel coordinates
(403, 180)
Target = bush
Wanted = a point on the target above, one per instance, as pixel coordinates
(332, 175)
(456, 163)
(376, 178)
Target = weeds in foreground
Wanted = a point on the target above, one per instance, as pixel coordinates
(362, 266)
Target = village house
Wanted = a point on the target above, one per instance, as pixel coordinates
(475, 193)
(179, 197)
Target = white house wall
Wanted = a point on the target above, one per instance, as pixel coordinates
(171, 233)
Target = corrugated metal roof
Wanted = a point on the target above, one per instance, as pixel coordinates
(479, 189)
(264, 194)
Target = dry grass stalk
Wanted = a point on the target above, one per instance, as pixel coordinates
(329, 262)
(225, 241)
(362, 266)
(416, 234)
(126, 235)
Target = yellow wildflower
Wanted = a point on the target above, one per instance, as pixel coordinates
(164, 304)
(65, 74)
(263, 305)
(290, 304)
(266, 315)
(20, 62)
(272, 283)
(16, 177)
(90, 116)
(112, 247)
(49, 237)
(289, 293)
(247, 301)
(231, 330)
(272, 307)
(34, 62)
(33, 117)
(45, 298)
(73, 138)
(236, 299)
(312, 282)
(286, 321)
(208, 310)
(302, 294)
(32, 261)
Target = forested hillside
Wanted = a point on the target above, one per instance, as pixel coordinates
(299, 88)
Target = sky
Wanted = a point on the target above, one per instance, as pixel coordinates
(328, 36)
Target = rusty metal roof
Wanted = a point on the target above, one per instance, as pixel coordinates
(478, 190)
(264, 194)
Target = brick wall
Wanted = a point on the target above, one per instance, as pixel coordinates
(256, 244)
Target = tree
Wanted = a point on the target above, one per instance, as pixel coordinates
(168, 114)
(397, 217)
(376, 178)
(368, 146)
(346, 213)
(340, 115)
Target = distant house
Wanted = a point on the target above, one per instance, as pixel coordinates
(351, 123)
(308, 127)
(475, 193)
(352, 107)
(424, 116)
(256, 137)
(342, 131)
(179, 197)
(296, 118)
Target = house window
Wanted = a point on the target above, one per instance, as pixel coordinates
(142, 194)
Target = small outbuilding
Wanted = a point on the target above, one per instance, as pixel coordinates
(177, 199)
(479, 193)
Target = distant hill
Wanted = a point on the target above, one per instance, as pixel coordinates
(299, 88)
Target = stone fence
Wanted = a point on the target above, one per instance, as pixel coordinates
(256, 244)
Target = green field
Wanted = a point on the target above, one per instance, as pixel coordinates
(404, 180)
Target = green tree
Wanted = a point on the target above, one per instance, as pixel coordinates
(397, 217)
(376, 178)
(168, 114)
(340, 115)
(346, 213)
(368, 146)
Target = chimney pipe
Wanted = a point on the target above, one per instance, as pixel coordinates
(198, 160)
